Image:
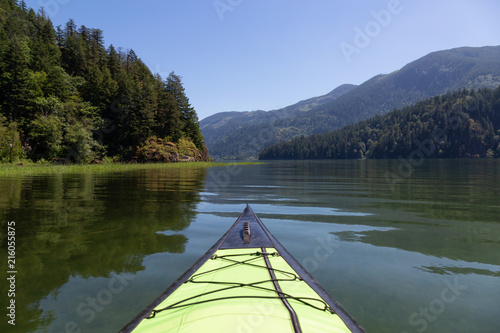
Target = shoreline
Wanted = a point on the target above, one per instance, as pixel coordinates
(8, 170)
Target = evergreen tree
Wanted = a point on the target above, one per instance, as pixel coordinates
(181, 114)
(114, 63)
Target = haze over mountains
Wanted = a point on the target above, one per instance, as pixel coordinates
(242, 135)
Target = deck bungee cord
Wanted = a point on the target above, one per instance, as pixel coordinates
(232, 285)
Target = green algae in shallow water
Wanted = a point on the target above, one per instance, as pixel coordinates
(34, 169)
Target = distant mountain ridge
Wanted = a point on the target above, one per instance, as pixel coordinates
(220, 124)
(244, 135)
(463, 124)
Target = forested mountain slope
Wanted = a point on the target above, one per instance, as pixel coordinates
(455, 125)
(435, 74)
(223, 124)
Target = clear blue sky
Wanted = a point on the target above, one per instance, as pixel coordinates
(243, 55)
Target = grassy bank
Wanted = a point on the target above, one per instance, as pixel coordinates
(35, 169)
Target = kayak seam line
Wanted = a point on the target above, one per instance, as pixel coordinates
(291, 311)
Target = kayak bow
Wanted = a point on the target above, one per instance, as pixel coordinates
(247, 282)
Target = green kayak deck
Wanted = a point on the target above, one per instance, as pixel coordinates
(247, 282)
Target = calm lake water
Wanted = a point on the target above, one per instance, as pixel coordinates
(403, 250)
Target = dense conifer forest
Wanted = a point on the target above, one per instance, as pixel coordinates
(64, 94)
(463, 124)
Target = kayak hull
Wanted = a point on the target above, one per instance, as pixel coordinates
(247, 282)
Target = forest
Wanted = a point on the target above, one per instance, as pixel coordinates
(463, 124)
(65, 95)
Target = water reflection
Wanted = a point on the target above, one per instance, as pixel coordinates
(445, 208)
(78, 232)
(453, 270)
(383, 251)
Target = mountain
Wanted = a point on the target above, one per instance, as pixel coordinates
(465, 123)
(435, 74)
(226, 126)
